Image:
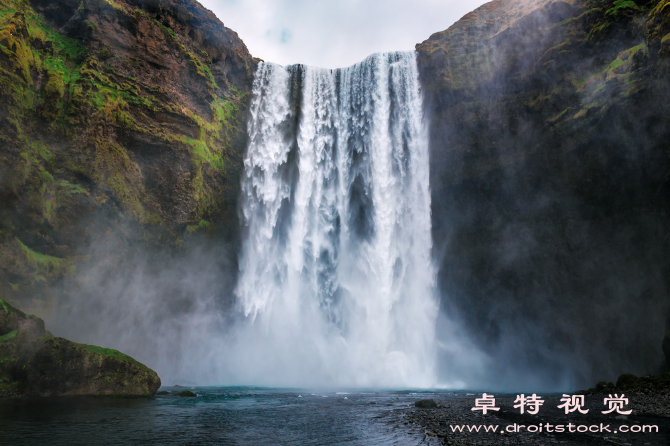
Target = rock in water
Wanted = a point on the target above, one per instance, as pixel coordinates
(35, 363)
(426, 404)
(186, 393)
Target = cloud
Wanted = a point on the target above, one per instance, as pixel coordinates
(335, 34)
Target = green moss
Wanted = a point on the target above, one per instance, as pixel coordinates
(72, 189)
(8, 336)
(90, 25)
(186, 393)
(44, 265)
(203, 224)
(4, 306)
(100, 102)
(203, 70)
(7, 384)
(621, 7)
(111, 353)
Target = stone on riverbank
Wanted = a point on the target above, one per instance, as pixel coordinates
(426, 404)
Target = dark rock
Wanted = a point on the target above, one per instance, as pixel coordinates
(187, 393)
(536, 191)
(627, 381)
(426, 404)
(14, 319)
(34, 363)
(64, 368)
(163, 392)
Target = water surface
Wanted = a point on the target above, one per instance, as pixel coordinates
(221, 416)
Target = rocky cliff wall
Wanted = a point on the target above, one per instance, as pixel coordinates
(119, 120)
(549, 170)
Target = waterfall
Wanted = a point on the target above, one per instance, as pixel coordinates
(336, 281)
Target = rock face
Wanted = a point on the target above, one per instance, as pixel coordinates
(549, 174)
(33, 362)
(116, 117)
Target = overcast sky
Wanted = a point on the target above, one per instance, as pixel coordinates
(335, 33)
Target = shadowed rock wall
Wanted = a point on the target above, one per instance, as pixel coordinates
(549, 171)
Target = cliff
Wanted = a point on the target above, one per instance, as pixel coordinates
(116, 117)
(549, 173)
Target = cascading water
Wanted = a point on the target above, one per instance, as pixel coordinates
(336, 280)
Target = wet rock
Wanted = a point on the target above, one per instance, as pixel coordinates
(426, 404)
(33, 362)
(14, 319)
(64, 368)
(627, 381)
(186, 393)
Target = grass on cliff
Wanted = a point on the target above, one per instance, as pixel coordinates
(8, 336)
(45, 265)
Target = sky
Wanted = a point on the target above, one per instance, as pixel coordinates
(335, 33)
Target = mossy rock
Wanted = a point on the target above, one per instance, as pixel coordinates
(627, 381)
(12, 319)
(35, 363)
(64, 368)
(163, 392)
(186, 393)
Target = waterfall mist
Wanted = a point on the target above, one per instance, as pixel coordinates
(334, 283)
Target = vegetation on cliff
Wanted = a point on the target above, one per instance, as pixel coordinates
(114, 115)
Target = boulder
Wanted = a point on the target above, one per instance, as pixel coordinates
(64, 368)
(426, 404)
(627, 381)
(35, 363)
(186, 393)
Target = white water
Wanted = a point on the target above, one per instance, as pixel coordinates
(336, 281)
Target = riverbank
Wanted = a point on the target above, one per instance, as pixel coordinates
(452, 421)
